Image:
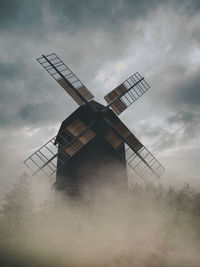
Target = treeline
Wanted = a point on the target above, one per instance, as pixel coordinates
(185, 199)
(19, 199)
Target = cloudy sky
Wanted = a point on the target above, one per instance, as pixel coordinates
(103, 42)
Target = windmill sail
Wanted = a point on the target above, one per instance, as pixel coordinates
(138, 156)
(50, 157)
(127, 93)
(66, 78)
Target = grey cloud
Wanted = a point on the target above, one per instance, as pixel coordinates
(161, 138)
(28, 99)
(7, 70)
(8, 12)
(190, 123)
(8, 73)
(178, 88)
(188, 91)
(182, 117)
(28, 15)
(19, 16)
(165, 141)
(164, 138)
(70, 15)
(33, 113)
(98, 13)
(111, 13)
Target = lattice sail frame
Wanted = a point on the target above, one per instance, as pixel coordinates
(127, 93)
(138, 157)
(65, 77)
(50, 157)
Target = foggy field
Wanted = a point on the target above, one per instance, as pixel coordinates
(103, 42)
(149, 226)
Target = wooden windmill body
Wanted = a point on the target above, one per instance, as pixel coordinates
(97, 163)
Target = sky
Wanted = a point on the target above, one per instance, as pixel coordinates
(103, 42)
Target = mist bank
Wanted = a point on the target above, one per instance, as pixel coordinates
(147, 226)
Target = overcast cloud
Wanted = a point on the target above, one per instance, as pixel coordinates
(103, 42)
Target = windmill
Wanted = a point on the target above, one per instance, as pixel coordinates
(93, 137)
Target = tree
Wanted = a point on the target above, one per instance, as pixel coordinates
(18, 201)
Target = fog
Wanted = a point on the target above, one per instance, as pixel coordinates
(106, 227)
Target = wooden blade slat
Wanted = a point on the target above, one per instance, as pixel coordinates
(126, 93)
(66, 78)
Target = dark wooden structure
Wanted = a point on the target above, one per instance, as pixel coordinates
(97, 164)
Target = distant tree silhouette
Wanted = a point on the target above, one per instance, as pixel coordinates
(18, 200)
(16, 210)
